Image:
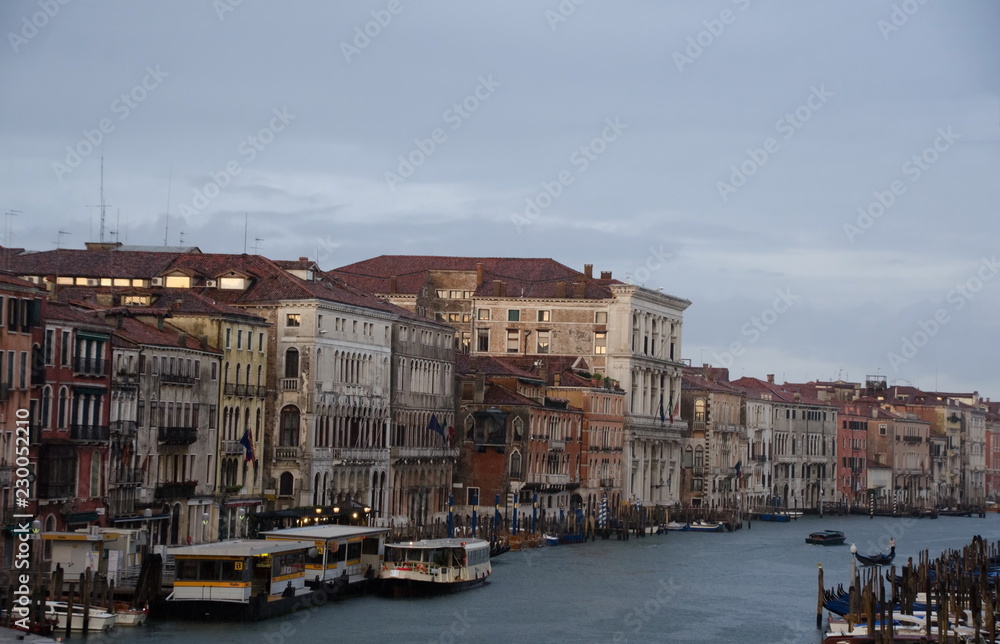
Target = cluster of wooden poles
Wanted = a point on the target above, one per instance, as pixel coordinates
(957, 589)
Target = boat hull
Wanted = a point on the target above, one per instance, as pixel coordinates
(258, 608)
(779, 518)
(418, 588)
(99, 620)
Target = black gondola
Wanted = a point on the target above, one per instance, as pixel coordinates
(881, 559)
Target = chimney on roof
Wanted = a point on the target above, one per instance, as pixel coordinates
(579, 290)
(588, 270)
(497, 284)
(560, 289)
(706, 371)
(556, 379)
(303, 259)
(770, 378)
(479, 274)
(605, 275)
(479, 388)
(182, 339)
(392, 284)
(797, 397)
(203, 341)
(543, 371)
(874, 412)
(159, 322)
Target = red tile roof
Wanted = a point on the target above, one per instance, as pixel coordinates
(497, 395)
(522, 276)
(143, 334)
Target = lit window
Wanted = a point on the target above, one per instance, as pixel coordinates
(178, 281)
(483, 314)
(483, 340)
(544, 339)
(293, 319)
(442, 294)
(454, 317)
(455, 295)
(232, 283)
(600, 342)
(545, 316)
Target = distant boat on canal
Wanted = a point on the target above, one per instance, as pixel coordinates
(826, 538)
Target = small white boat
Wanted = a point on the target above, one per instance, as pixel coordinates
(127, 616)
(705, 526)
(677, 526)
(98, 619)
(551, 539)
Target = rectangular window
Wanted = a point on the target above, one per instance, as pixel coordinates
(442, 294)
(11, 360)
(455, 295)
(482, 314)
(882, 429)
(215, 371)
(601, 317)
(513, 341)
(23, 380)
(140, 412)
(482, 340)
(229, 335)
(195, 415)
(473, 495)
(294, 320)
(1, 310)
(64, 349)
(454, 317)
(260, 342)
(544, 338)
(466, 341)
(50, 339)
(513, 315)
(239, 339)
(545, 316)
(600, 342)
(211, 416)
(466, 317)
(197, 369)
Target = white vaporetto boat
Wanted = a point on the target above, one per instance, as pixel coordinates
(434, 566)
(98, 620)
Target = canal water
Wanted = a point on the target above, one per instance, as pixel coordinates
(757, 585)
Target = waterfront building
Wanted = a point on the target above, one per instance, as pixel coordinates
(852, 456)
(21, 310)
(715, 443)
(992, 449)
(804, 450)
(759, 465)
(539, 307)
(72, 402)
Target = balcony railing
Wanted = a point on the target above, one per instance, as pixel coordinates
(245, 391)
(289, 384)
(607, 482)
(405, 453)
(259, 391)
(557, 445)
(362, 454)
(557, 479)
(90, 366)
(126, 379)
(913, 439)
(232, 447)
(124, 427)
(175, 490)
(177, 435)
(229, 389)
(89, 433)
(287, 453)
(760, 458)
(176, 379)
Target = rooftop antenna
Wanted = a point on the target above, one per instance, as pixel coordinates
(180, 238)
(245, 217)
(8, 229)
(166, 224)
(256, 245)
(103, 206)
(59, 238)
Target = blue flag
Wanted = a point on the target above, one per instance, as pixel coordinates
(435, 426)
(247, 442)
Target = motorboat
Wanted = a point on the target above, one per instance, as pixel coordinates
(706, 526)
(677, 526)
(826, 538)
(98, 619)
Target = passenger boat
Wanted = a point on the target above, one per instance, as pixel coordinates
(706, 526)
(880, 559)
(677, 526)
(434, 566)
(244, 579)
(97, 620)
(345, 560)
(826, 538)
(551, 539)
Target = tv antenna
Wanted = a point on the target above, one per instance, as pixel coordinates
(103, 206)
(256, 245)
(7, 227)
(166, 223)
(59, 238)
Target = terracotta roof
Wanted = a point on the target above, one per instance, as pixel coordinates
(92, 263)
(57, 311)
(12, 280)
(497, 395)
(138, 333)
(522, 276)
(778, 392)
(490, 366)
(696, 382)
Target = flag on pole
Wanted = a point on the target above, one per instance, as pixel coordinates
(247, 442)
(739, 466)
(671, 407)
(662, 415)
(435, 426)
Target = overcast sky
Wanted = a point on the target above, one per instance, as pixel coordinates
(723, 151)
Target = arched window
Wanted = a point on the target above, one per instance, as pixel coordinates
(286, 484)
(515, 465)
(518, 430)
(95, 475)
(699, 411)
(46, 411)
(289, 436)
(292, 363)
(61, 421)
(699, 456)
